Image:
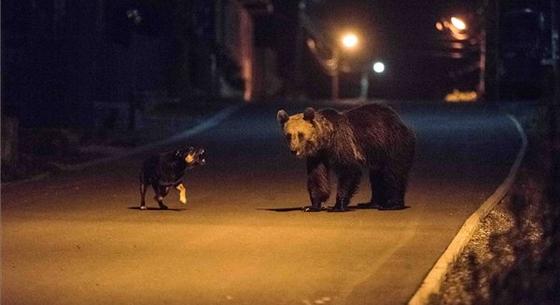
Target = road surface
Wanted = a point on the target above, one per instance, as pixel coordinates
(78, 237)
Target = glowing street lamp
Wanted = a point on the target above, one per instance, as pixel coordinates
(350, 41)
(460, 31)
(456, 26)
(378, 67)
(347, 42)
(458, 23)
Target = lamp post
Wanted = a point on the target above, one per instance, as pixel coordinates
(378, 67)
(461, 32)
(334, 78)
(347, 42)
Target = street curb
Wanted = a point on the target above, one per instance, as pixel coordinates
(205, 125)
(435, 277)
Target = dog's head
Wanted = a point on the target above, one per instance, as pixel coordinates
(192, 156)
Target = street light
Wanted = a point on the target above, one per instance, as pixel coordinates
(463, 34)
(456, 26)
(458, 23)
(347, 42)
(378, 67)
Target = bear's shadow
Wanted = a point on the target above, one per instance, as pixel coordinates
(366, 206)
(282, 209)
(359, 206)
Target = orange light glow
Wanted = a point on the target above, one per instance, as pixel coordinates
(458, 96)
(349, 41)
(458, 23)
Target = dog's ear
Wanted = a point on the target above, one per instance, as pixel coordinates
(282, 116)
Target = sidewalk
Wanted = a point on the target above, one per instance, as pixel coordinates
(47, 151)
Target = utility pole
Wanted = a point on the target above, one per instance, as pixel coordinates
(554, 103)
(491, 51)
(298, 73)
(482, 61)
(364, 84)
(554, 7)
(335, 72)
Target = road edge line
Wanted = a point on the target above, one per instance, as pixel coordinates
(205, 125)
(432, 282)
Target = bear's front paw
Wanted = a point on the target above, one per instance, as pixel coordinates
(311, 209)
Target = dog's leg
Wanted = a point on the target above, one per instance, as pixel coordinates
(142, 196)
(163, 190)
(182, 193)
(160, 193)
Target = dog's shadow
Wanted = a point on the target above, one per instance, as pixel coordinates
(158, 209)
(294, 209)
(359, 206)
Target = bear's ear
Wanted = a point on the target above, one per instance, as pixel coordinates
(282, 116)
(309, 114)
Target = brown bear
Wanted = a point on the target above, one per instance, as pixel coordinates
(370, 136)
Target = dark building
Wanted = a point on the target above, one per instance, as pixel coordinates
(60, 58)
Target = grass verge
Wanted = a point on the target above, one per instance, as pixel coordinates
(514, 257)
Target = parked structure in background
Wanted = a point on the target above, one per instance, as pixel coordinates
(519, 53)
(60, 58)
(525, 66)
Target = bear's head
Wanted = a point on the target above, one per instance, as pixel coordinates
(301, 132)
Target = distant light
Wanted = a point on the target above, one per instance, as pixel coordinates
(378, 67)
(458, 96)
(349, 40)
(458, 24)
(439, 26)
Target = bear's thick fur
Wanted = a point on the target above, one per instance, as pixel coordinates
(371, 136)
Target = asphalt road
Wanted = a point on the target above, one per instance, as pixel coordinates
(77, 237)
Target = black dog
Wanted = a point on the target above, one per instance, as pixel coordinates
(165, 170)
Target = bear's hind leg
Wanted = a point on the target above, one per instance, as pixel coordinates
(377, 192)
(348, 182)
(394, 188)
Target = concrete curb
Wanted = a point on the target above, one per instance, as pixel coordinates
(207, 124)
(435, 277)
